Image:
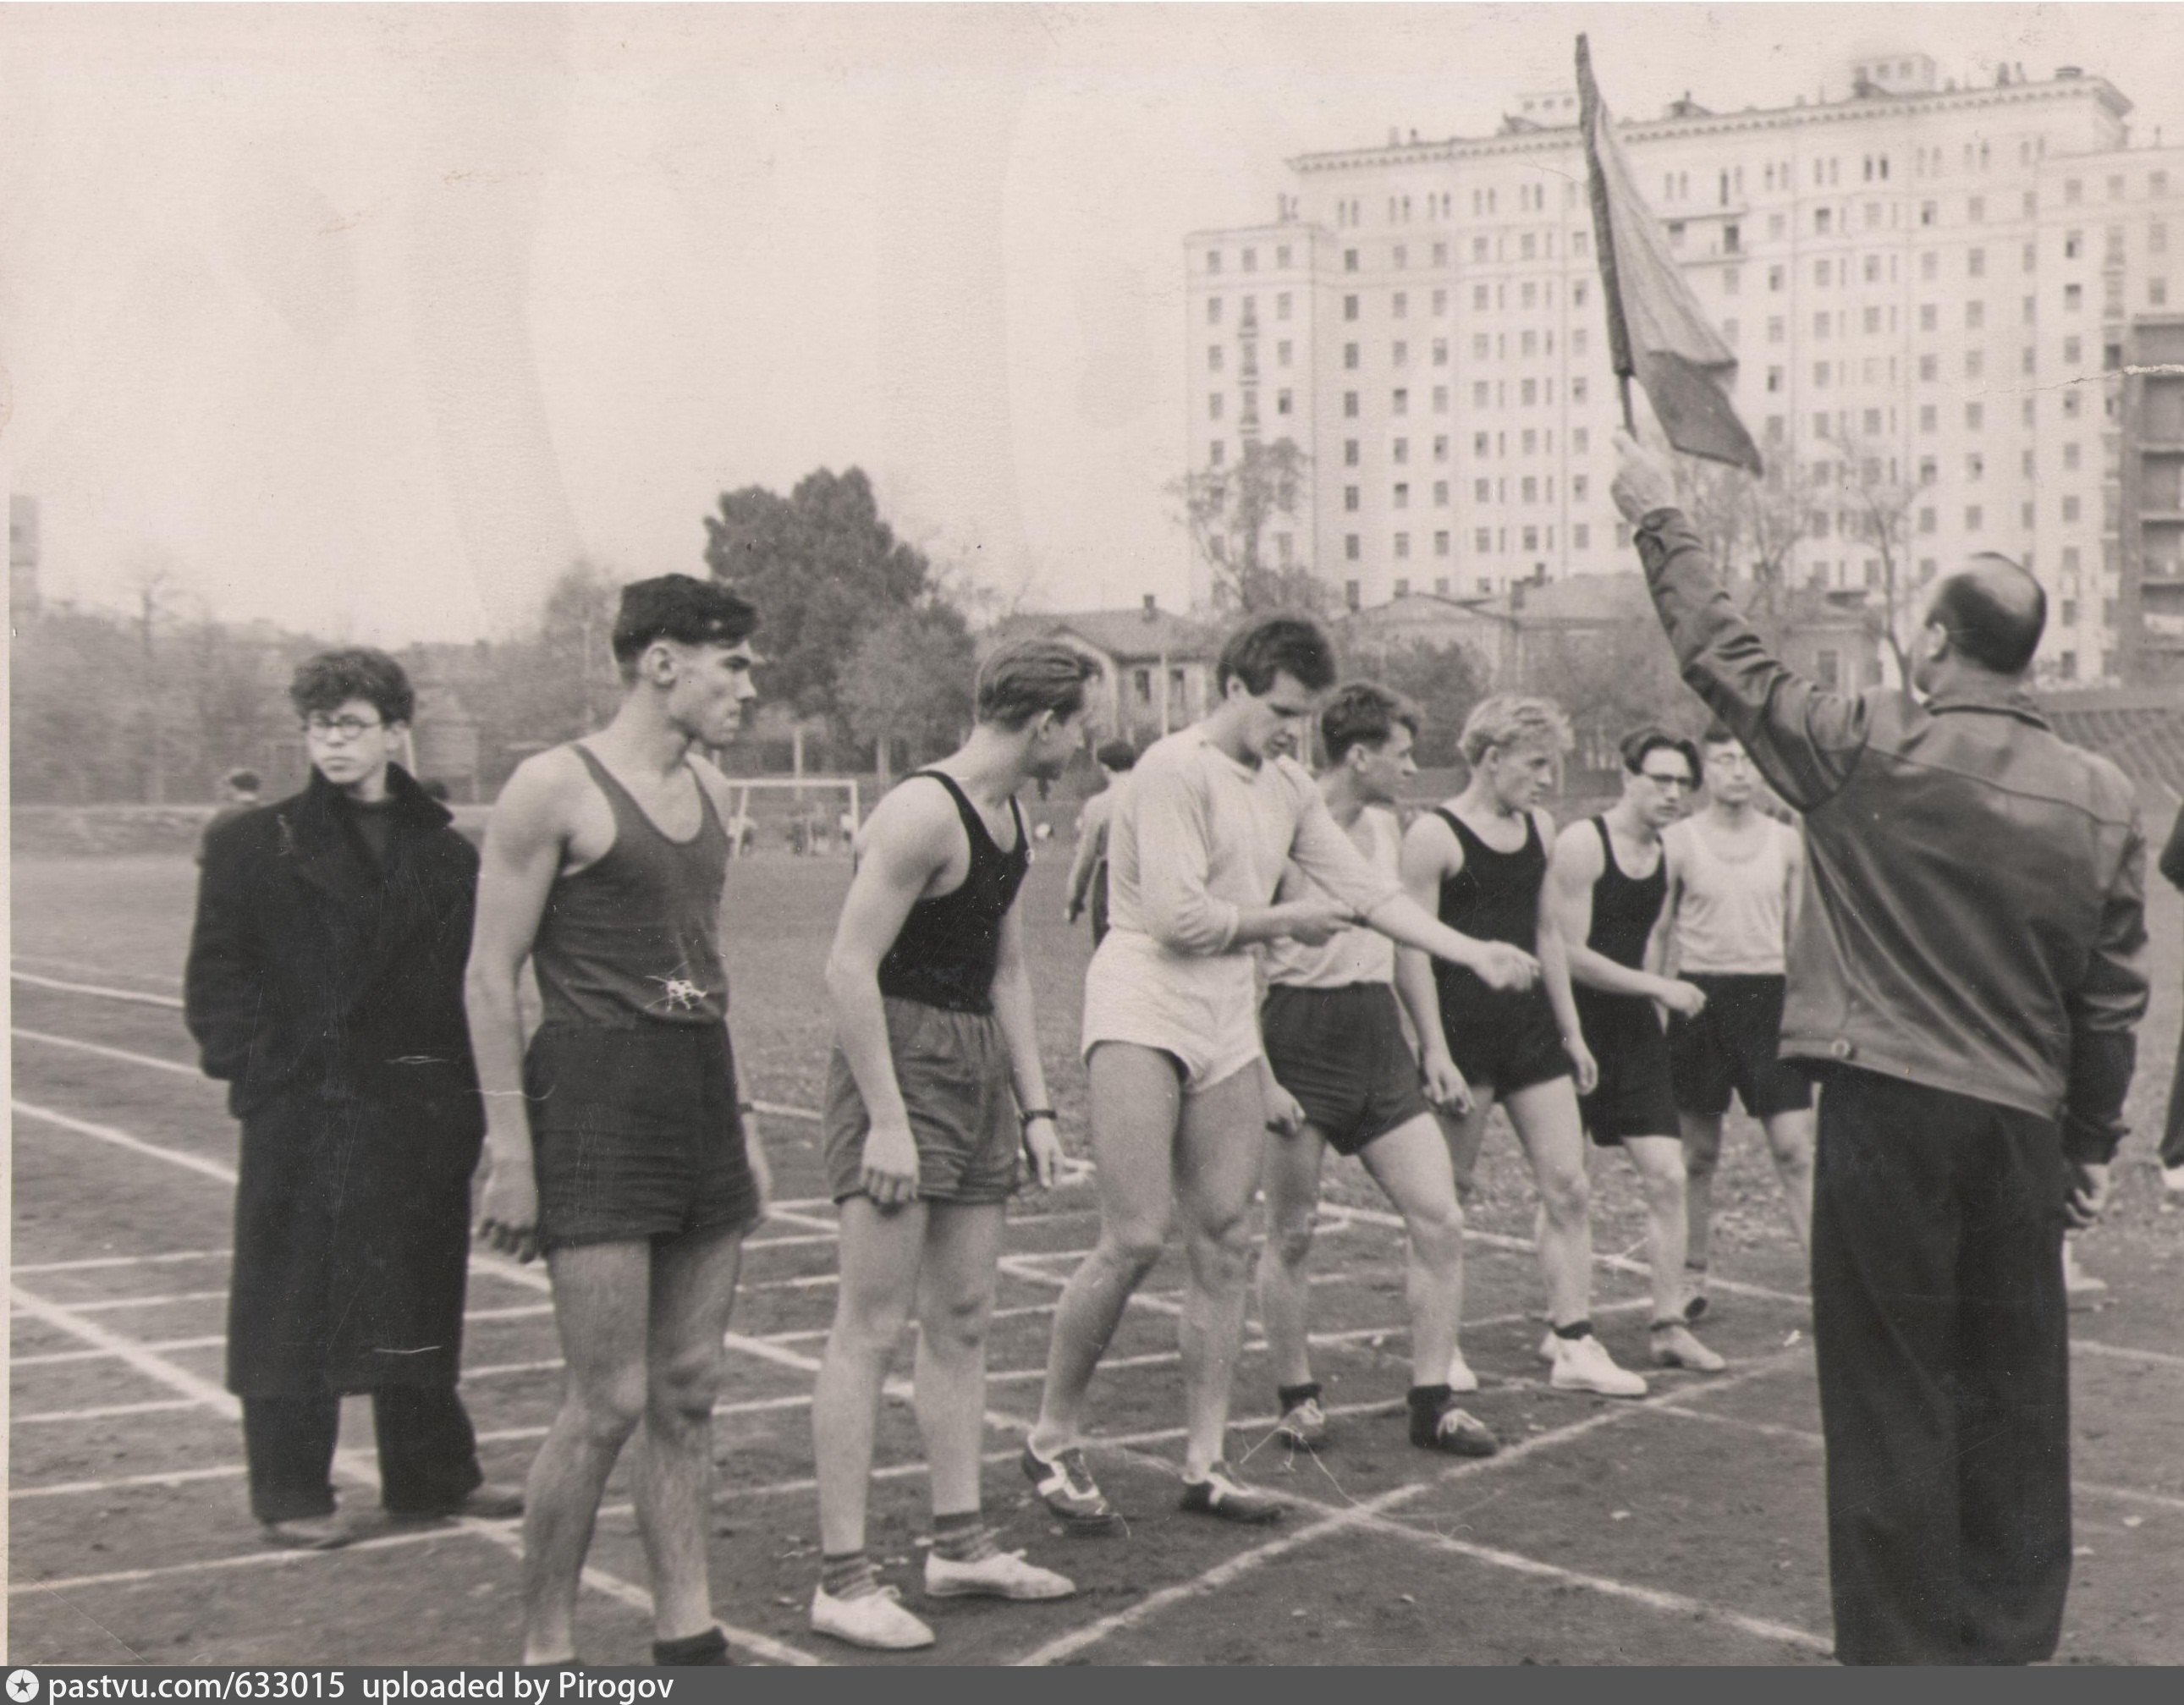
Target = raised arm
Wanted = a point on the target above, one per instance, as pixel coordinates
(223, 983)
(526, 841)
(1805, 740)
(907, 841)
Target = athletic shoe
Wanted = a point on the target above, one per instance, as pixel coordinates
(2172, 1182)
(874, 1620)
(1456, 1430)
(1067, 1488)
(1304, 1428)
(1003, 1575)
(1584, 1365)
(1222, 1493)
(1460, 1376)
(1673, 1347)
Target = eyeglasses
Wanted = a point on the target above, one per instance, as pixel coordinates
(1665, 782)
(341, 728)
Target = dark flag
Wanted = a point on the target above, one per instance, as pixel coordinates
(1656, 330)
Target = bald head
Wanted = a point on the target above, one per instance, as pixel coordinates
(1994, 613)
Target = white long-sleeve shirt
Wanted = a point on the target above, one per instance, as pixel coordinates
(1197, 838)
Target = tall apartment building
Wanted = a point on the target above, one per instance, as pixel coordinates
(1930, 290)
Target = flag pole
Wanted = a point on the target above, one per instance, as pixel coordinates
(1590, 117)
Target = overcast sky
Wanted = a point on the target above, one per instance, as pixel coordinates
(367, 320)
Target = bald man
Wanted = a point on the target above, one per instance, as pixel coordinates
(1966, 974)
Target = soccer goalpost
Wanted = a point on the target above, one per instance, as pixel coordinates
(813, 814)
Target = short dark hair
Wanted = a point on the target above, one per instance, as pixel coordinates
(1640, 741)
(1117, 755)
(1293, 645)
(1717, 734)
(1026, 676)
(330, 680)
(1364, 713)
(682, 608)
(242, 781)
(1992, 628)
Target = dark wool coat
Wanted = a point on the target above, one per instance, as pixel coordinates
(329, 996)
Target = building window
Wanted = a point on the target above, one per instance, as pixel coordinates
(1352, 594)
(1282, 306)
(1975, 518)
(1213, 311)
(1440, 548)
(1400, 304)
(1975, 416)
(1213, 407)
(1402, 450)
(1350, 499)
(2073, 349)
(1351, 549)
(2070, 508)
(1400, 355)
(1402, 554)
(1349, 308)
(1975, 315)
(1440, 447)
(1213, 359)
(1350, 452)
(1215, 452)
(1350, 405)
(1349, 260)
(1929, 366)
(1349, 357)
(1580, 439)
(1482, 540)
(1403, 495)
(1928, 520)
(1827, 664)
(1213, 260)
(1399, 402)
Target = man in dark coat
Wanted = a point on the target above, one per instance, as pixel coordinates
(325, 987)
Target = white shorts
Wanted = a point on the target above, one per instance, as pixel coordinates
(1202, 1008)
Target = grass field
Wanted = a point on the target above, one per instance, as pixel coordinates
(1684, 1528)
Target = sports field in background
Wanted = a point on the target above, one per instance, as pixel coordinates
(1685, 1528)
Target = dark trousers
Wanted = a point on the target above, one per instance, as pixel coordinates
(427, 1451)
(1942, 1340)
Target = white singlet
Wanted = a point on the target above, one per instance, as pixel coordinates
(1730, 913)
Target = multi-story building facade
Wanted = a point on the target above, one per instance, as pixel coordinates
(1929, 290)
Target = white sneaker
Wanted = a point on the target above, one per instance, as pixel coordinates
(1005, 1575)
(875, 1620)
(1460, 1376)
(1673, 1347)
(1584, 1365)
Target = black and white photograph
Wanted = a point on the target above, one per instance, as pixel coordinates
(1220, 834)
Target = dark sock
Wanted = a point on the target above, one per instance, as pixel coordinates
(1429, 1399)
(1291, 1396)
(1576, 1329)
(849, 1575)
(964, 1538)
(710, 1647)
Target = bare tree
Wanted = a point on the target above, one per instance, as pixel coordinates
(1753, 527)
(153, 586)
(1874, 503)
(1228, 511)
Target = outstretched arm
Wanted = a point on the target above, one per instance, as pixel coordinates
(526, 841)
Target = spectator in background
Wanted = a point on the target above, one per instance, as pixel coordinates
(2172, 1137)
(238, 793)
(1088, 875)
(325, 987)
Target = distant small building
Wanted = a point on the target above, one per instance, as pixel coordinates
(1159, 666)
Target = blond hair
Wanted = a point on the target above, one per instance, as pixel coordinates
(1510, 719)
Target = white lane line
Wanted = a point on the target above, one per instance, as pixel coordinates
(772, 1109)
(135, 996)
(162, 1346)
(1346, 1520)
(122, 1261)
(1805, 1436)
(122, 1139)
(104, 1411)
(208, 1395)
(1651, 1598)
(268, 1558)
(81, 969)
(2125, 1352)
(107, 1304)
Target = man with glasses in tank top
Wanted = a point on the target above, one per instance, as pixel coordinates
(934, 1084)
(617, 1146)
(1481, 859)
(1607, 880)
(1733, 878)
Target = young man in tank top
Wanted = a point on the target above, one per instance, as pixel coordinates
(617, 1146)
(1344, 1078)
(1481, 858)
(1733, 880)
(1197, 846)
(1607, 881)
(934, 1084)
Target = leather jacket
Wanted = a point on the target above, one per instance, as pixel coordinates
(1974, 906)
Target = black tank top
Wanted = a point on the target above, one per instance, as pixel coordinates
(1624, 908)
(946, 952)
(1495, 897)
(638, 934)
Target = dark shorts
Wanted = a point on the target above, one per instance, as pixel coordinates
(1733, 1046)
(1341, 1053)
(636, 1133)
(1501, 1040)
(953, 1070)
(1634, 1097)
